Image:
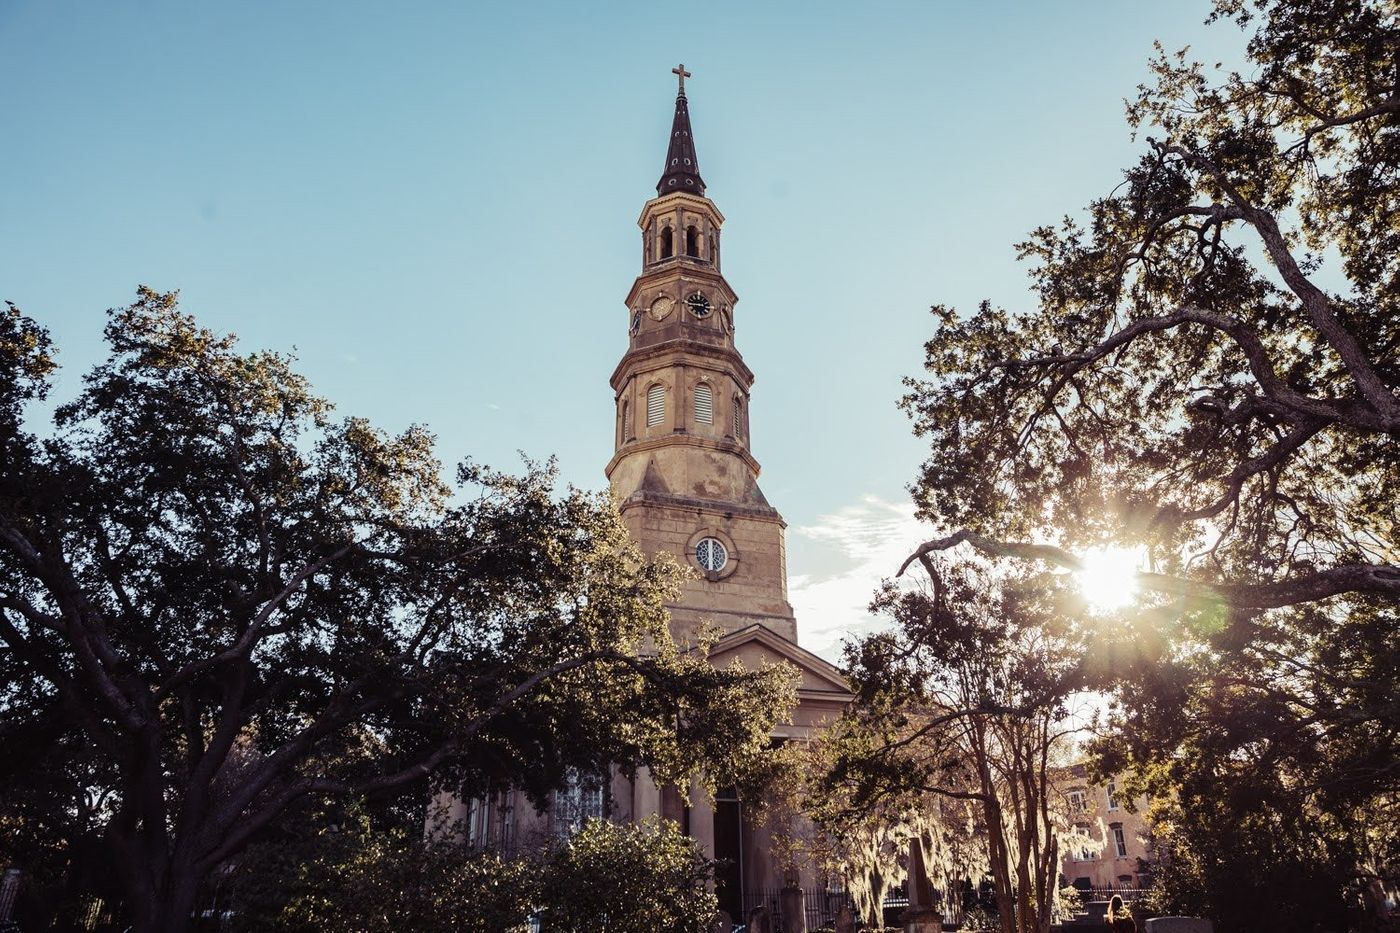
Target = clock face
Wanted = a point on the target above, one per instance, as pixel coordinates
(661, 307)
(699, 305)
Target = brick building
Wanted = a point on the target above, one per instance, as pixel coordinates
(1100, 811)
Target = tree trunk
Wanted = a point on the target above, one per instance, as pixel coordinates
(172, 909)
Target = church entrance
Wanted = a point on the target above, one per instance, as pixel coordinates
(729, 853)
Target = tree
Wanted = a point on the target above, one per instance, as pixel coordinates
(965, 699)
(360, 877)
(1211, 376)
(647, 878)
(1271, 765)
(867, 839)
(341, 869)
(1212, 368)
(224, 602)
(628, 878)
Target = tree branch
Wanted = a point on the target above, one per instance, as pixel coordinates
(1315, 301)
(250, 635)
(1380, 579)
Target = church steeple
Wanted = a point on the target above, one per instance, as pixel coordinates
(685, 478)
(682, 169)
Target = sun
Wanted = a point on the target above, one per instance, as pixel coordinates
(1108, 579)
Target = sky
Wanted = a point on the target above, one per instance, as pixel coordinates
(434, 204)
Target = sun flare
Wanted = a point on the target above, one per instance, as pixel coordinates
(1108, 579)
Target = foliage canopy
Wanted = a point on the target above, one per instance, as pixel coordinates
(1210, 376)
(218, 601)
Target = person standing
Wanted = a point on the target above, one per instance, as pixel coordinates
(1120, 919)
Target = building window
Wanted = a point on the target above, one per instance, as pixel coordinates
(666, 246)
(656, 405)
(578, 801)
(738, 419)
(624, 428)
(711, 554)
(1112, 795)
(1120, 845)
(692, 241)
(490, 823)
(1078, 803)
(704, 404)
(1085, 853)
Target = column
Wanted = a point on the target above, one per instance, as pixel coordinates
(646, 796)
(702, 820)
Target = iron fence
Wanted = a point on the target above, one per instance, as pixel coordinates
(821, 905)
(1129, 895)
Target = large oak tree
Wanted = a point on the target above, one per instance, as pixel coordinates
(217, 601)
(1210, 376)
(1211, 370)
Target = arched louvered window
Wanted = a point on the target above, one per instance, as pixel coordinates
(656, 405)
(738, 418)
(704, 404)
(624, 427)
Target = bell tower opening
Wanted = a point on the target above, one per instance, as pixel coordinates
(692, 241)
(666, 246)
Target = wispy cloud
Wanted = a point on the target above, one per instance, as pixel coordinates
(857, 546)
(493, 406)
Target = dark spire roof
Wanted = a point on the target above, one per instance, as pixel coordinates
(682, 170)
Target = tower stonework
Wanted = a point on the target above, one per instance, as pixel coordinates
(683, 472)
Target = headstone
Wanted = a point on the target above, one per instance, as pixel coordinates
(846, 919)
(760, 920)
(722, 923)
(922, 916)
(794, 910)
(1179, 925)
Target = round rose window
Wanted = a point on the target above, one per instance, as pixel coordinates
(711, 555)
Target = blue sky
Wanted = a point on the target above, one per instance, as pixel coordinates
(434, 203)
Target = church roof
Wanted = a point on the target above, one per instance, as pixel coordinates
(682, 169)
(818, 675)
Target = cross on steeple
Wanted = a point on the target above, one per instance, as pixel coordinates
(680, 72)
(682, 171)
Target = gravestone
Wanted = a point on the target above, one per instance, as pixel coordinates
(722, 923)
(794, 910)
(1179, 925)
(846, 919)
(922, 916)
(760, 920)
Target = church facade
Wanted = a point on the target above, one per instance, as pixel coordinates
(686, 482)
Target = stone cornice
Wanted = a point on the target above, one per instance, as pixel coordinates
(725, 360)
(666, 201)
(690, 503)
(681, 439)
(686, 269)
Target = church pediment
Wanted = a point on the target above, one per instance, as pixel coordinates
(757, 644)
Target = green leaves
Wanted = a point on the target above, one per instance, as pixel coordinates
(234, 602)
(624, 878)
(628, 878)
